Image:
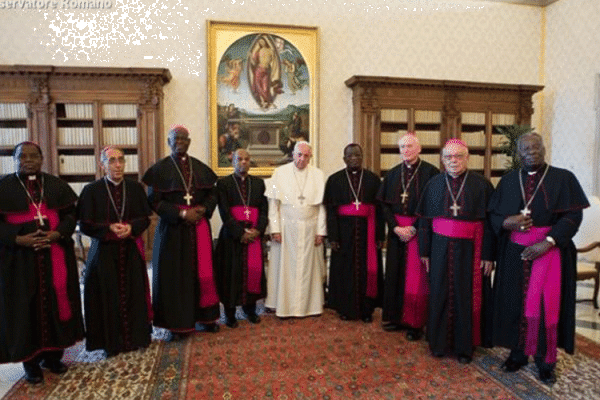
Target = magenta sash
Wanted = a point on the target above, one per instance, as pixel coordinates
(254, 262)
(206, 280)
(366, 211)
(57, 256)
(544, 283)
(416, 286)
(473, 230)
(139, 242)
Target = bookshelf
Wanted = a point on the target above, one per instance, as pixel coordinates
(385, 108)
(73, 112)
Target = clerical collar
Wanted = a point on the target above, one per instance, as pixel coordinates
(536, 171)
(30, 177)
(181, 157)
(459, 175)
(240, 177)
(113, 182)
(355, 171)
(409, 165)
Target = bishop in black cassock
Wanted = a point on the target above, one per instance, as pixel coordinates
(182, 192)
(535, 211)
(116, 294)
(456, 241)
(355, 230)
(406, 291)
(40, 307)
(239, 264)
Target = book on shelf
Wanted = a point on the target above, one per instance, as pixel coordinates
(433, 159)
(77, 165)
(120, 135)
(75, 136)
(394, 115)
(475, 161)
(13, 111)
(499, 140)
(131, 163)
(79, 111)
(473, 138)
(391, 138)
(389, 161)
(13, 136)
(503, 119)
(500, 161)
(7, 165)
(119, 111)
(472, 118)
(428, 138)
(428, 117)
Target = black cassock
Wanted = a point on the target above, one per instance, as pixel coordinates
(391, 203)
(116, 293)
(231, 256)
(348, 265)
(558, 203)
(29, 310)
(450, 320)
(175, 281)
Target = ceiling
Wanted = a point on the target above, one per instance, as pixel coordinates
(541, 3)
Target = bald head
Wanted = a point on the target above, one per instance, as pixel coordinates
(241, 162)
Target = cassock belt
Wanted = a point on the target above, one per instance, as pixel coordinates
(208, 290)
(254, 262)
(544, 282)
(416, 287)
(366, 211)
(57, 256)
(473, 230)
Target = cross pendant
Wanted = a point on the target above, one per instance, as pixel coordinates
(356, 204)
(404, 196)
(188, 198)
(525, 212)
(301, 198)
(247, 213)
(455, 207)
(40, 218)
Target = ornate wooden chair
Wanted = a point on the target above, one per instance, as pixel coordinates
(587, 241)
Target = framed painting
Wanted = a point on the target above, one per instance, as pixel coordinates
(263, 85)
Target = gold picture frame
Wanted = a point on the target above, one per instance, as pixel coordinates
(263, 82)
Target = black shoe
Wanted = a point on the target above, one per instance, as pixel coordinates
(548, 376)
(413, 335)
(511, 365)
(437, 354)
(463, 359)
(231, 322)
(367, 319)
(55, 366)
(269, 310)
(33, 373)
(343, 317)
(253, 319)
(211, 328)
(391, 327)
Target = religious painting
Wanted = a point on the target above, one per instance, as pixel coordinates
(263, 83)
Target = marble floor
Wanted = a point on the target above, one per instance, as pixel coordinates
(588, 324)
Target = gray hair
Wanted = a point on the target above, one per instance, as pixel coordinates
(302, 143)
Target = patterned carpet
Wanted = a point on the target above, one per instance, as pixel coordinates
(310, 358)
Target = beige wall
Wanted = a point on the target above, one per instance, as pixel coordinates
(458, 40)
(572, 87)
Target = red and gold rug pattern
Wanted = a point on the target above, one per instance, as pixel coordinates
(311, 358)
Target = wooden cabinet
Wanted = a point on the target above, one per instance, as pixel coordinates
(73, 112)
(385, 108)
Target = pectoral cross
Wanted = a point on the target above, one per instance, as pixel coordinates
(525, 212)
(247, 213)
(301, 198)
(40, 217)
(455, 207)
(356, 204)
(404, 196)
(188, 198)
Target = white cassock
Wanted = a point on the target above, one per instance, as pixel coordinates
(296, 266)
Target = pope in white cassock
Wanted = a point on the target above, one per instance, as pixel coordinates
(298, 225)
